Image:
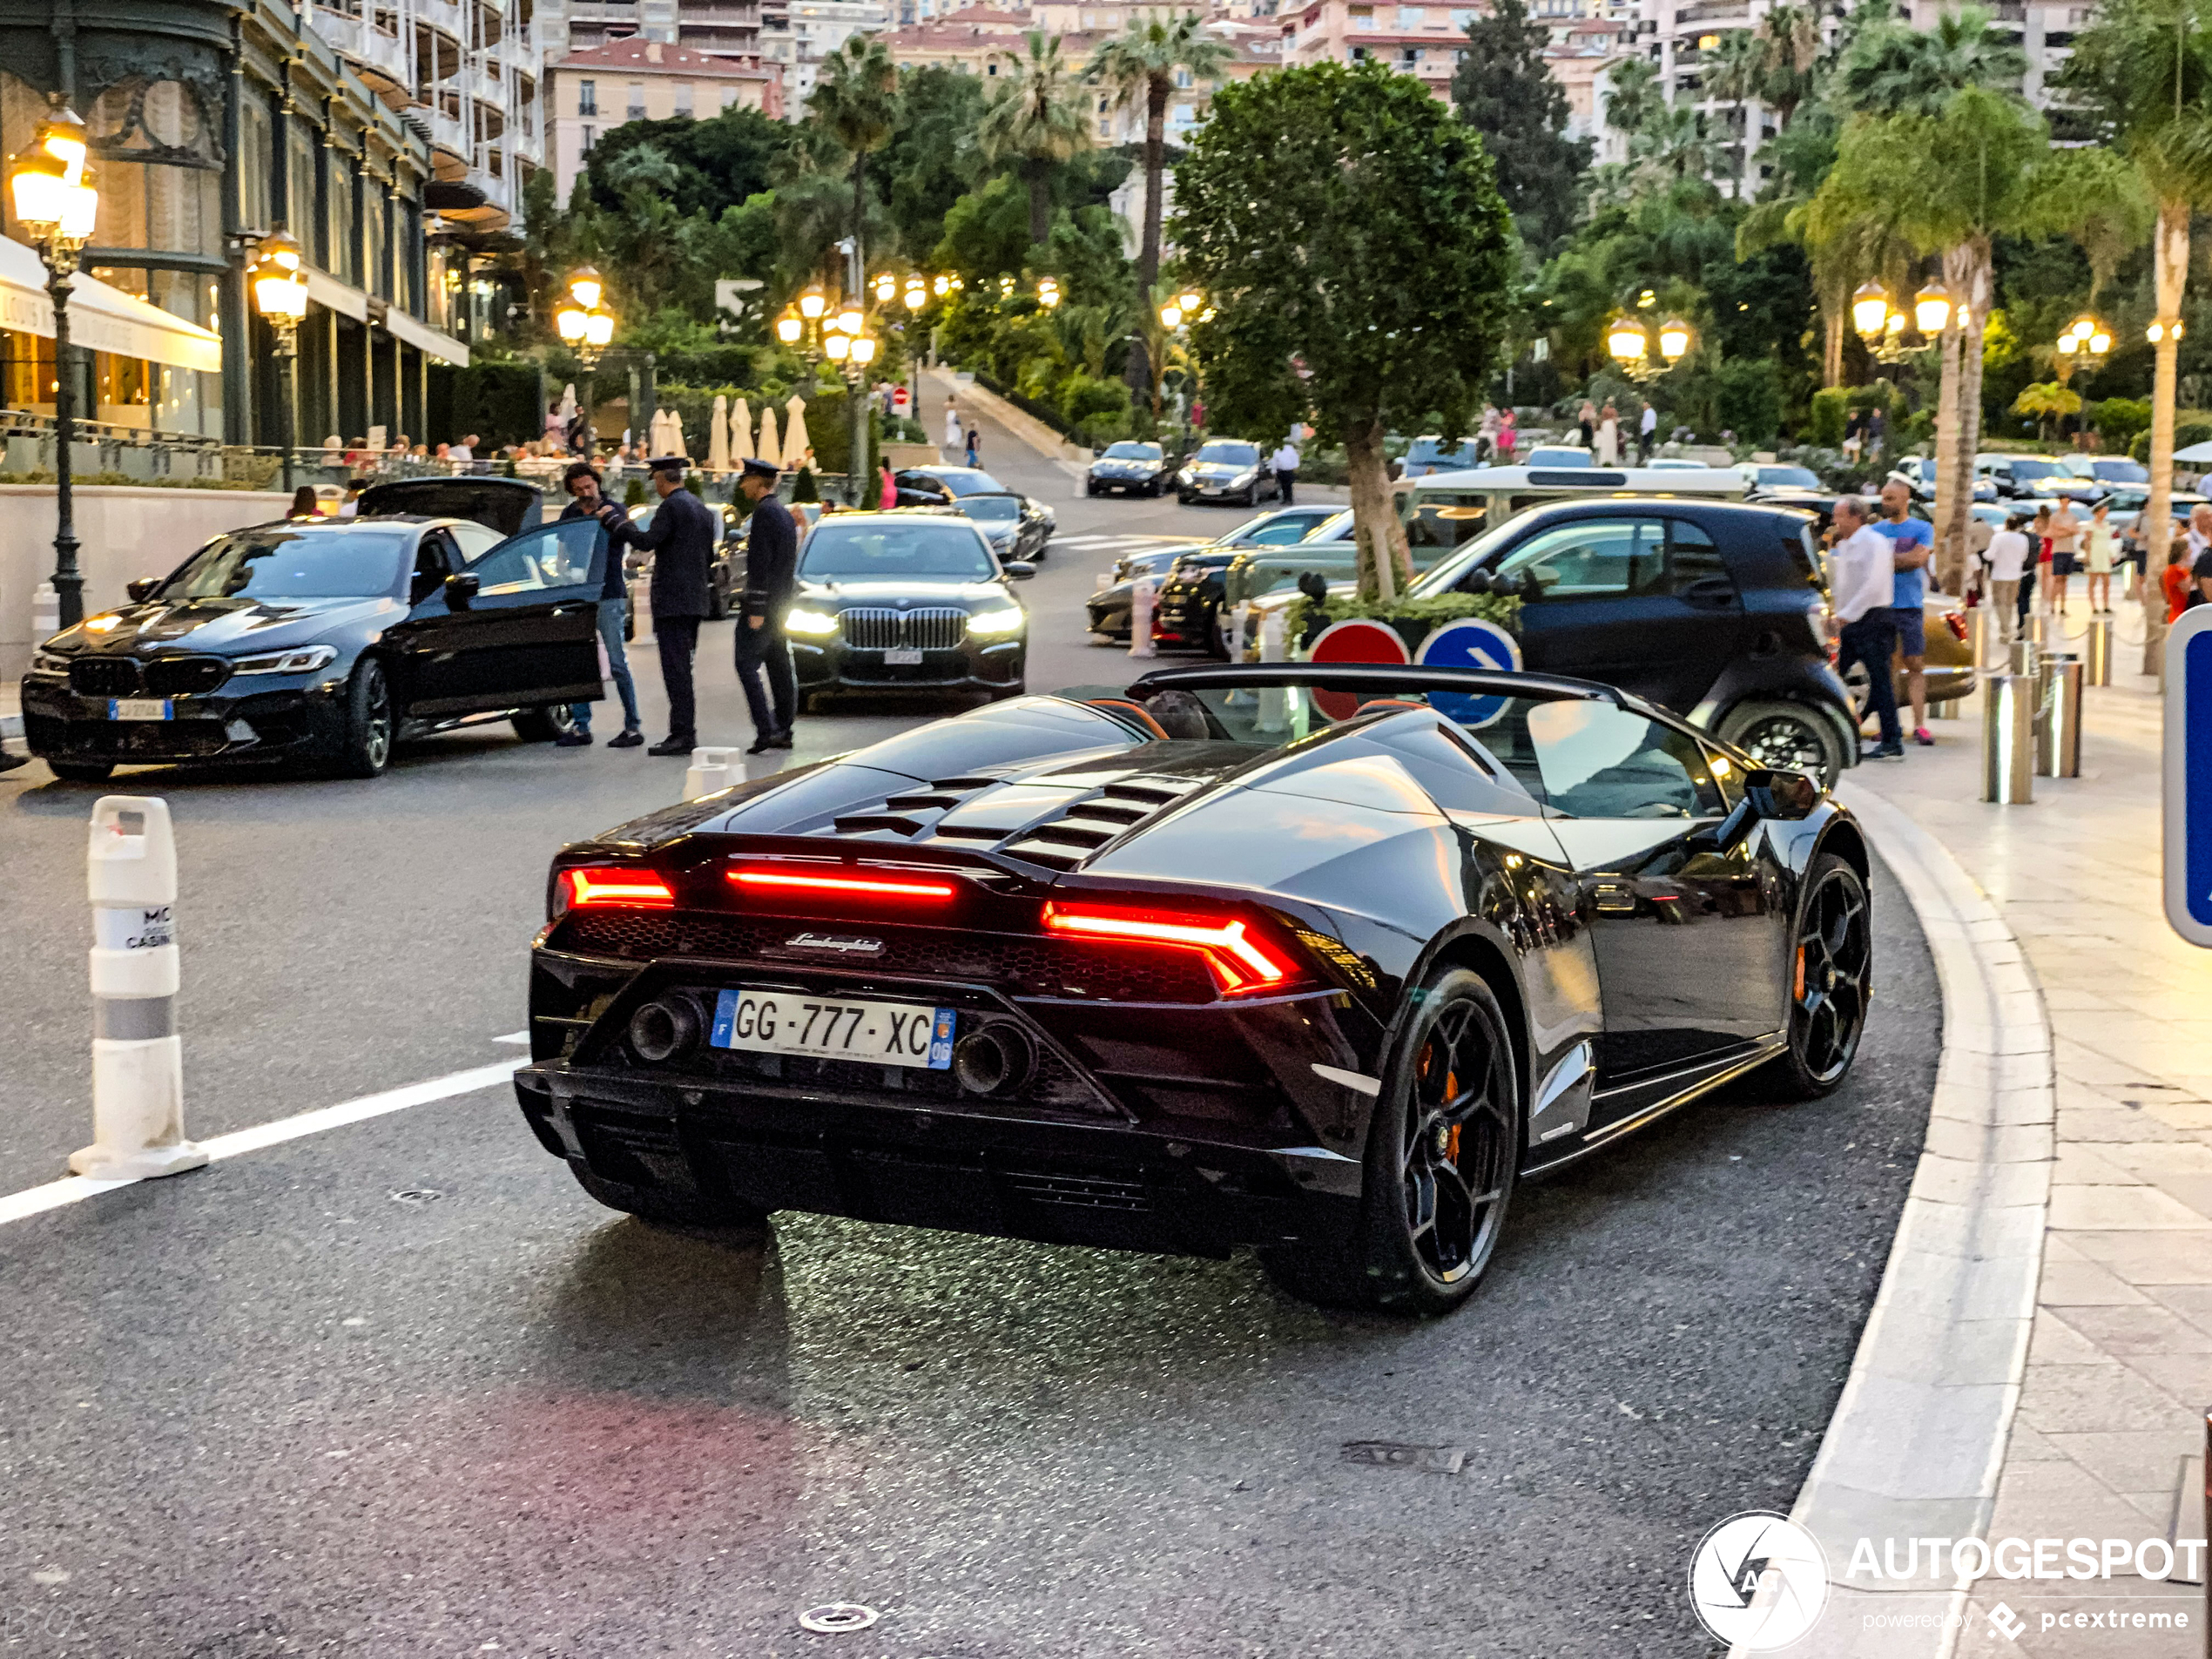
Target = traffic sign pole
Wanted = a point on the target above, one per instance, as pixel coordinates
(2188, 775)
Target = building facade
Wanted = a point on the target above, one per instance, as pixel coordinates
(725, 28)
(213, 125)
(1424, 41)
(639, 79)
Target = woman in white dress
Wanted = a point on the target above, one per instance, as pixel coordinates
(955, 432)
(1608, 436)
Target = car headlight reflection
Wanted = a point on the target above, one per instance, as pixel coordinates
(811, 624)
(47, 661)
(992, 625)
(302, 659)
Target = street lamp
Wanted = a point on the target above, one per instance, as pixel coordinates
(1932, 310)
(280, 293)
(58, 207)
(585, 326)
(2083, 346)
(1047, 292)
(1627, 342)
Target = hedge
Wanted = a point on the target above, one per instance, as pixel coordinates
(1413, 619)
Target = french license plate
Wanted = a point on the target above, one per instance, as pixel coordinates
(138, 708)
(888, 1034)
(902, 656)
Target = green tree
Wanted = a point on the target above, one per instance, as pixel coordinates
(1734, 72)
(1791, 60)
(1505, 91)
(931, 159)
(856, 101)
(1139, 65)
(2046, 400)
(1367, 280)
(2143, 71)
(717, 163)
(1036, 123)
(1896, 69)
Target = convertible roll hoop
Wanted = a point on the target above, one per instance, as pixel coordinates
(1378, 676)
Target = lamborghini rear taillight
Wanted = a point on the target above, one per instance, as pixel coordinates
(1239, 959)
(611, 888)
(845, 884)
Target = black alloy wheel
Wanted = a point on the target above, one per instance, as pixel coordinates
(367, 746)
(543, 724)
(1832, 969)
(1443, 1153)
(1787, 737)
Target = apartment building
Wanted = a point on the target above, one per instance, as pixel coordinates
(800, 34)
(637, 79)
(1425, 41)
(726, 28)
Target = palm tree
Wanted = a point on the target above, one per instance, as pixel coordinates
(1734, 72)
(1140, 64)
(2144, 69)
(856, 101)
(2046, 399)
(1895, 68)
(1672, 145)
(1634, 95)
(1789, 38)
(1036, 123)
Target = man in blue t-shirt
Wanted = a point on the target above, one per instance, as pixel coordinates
(1913, 543)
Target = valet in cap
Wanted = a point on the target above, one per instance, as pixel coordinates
(772, 573)
(681, 539)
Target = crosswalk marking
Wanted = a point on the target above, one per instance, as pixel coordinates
(1095, 543)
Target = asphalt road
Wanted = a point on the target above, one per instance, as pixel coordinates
(402, 1389)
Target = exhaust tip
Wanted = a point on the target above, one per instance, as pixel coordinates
(996, 1059)
(665, 1029)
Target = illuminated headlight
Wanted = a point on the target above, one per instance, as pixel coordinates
(991, 624)
(47, 662)
(1187, 475)
(1241, 480)
(302, 659)
(813, 624)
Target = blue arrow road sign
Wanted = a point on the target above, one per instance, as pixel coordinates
(2188, 775)
(1470, 642)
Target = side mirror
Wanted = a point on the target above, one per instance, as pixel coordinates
(1019, 570)
(422, 585)
(1780, 794)
(142, 590)
(459, 590)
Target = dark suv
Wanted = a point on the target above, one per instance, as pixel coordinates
(1712, 608)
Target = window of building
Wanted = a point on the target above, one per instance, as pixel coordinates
(1358, 54)
(342, 256)
(1411, 16)
(587, 98)
(1461, 17)
(1182, 77)
(590, 137)
(1410, 57)
(683, 97)
(637, 110)
(301, 158)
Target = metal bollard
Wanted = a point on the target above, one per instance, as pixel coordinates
(2038, 627)
(137, 1059)
(713, 769)
(2098, 667)
(1989, 638)
(2024, 653)
(1274, 701)
(2008, 739)
(1143, 594)
(46, 613)
(2058, 716)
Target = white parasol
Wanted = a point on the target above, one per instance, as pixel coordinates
(567, 401)
(740, 433)
(770, 449)
(796, 445)
(675, 435)
(717, 436)
(657, 434)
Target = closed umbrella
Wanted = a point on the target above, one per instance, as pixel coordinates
(675, 435)
(770, 449)
(657, 433)
(717, 436)
(796, 443)
(740, 433)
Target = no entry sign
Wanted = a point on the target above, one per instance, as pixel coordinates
(1356, 640)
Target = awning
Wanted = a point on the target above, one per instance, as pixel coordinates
(101, 318)
(426, 339)
(334, 295)
(349, 301)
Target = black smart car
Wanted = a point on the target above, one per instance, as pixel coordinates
(324, 641)
(1127, 468)
(906, 601)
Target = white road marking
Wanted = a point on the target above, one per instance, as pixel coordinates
(75, 1189)
(514, 1037)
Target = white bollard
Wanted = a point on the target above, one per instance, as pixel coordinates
(46, 613)
(1142, 595)
(713, 769)
(137, 1058)
(1274, 701)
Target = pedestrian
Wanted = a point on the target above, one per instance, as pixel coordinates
(681, 539)
(1608, 436)
(463, 454)
(771, 574)
(588, 499)
(2175, 581)
(974, 446)
(888, 498)
(1485, 435)
(2039, 547)
(2201, 572)
(2066, 532)
(1285, 460)
(1852, 428)
(1647, 433)
(1587, 423)
(351, 505)
(303, 503)
(953, 426)
(1877, 431)
(2004, 560)
(2200, 529)
(2098, 543)
(1862, 584)
(1912, 543)
(1952, 580)
(1509, 435)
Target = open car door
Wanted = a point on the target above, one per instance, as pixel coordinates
(517, 627)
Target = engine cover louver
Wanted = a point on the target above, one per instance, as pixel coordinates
(1090, 822)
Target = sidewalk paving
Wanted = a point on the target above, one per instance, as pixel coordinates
(2120, 1361)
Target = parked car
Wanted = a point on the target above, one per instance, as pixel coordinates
(1108, 607)
(724, 573)
(1226, 469)
(903, 601)
(1128, 468)
(324, 642)
(2113, 472)
(1008, 523)
(1918, 473)
(1761, 475)
(2017, 476)
(935, 485)
(1948, 662)
(1559, 455)
(1432, 454)
(1116, 967)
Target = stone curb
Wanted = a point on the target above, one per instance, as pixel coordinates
(1918, 1439)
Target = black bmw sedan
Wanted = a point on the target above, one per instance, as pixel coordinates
(903, 601)
(324, 641)
(1128, 468)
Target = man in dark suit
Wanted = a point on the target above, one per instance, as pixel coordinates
(681, 539)
(771, 574)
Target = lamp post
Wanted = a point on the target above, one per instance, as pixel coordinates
(281, 292)
(2083, 347)
(839, 335)
(585, 324)
(1627, 342)
(57, 206)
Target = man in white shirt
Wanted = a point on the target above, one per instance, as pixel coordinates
(463, 454)
(1862, 580)
(1284, 461)
(2005, 561)
(1647, 433)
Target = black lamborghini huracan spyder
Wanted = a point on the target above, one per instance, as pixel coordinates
(1317, 958)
